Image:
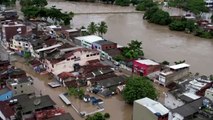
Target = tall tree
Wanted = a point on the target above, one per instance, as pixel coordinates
(92, 28)
(133, 50)
(137, 88)
(102, 28)
(96, 116)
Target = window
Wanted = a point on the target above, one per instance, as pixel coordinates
(22, 91)
(19, 43)
(87, 55)
(14, 87)
(20, 85)
(68, 59)
(26, 44)
(31, 83)
(97, 53)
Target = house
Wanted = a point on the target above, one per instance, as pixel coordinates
(4, 64)
(187, 111)
(148, 109)
(33, 104)
(7, 112)
(53, 114)
(104, 45)
(71, 59)
(107, 48)
(209, 93)
(5, 94)
(173, 73)
(20, 86)
(11, 29)
(21, 44)
(10, 14)
(145, 67)
(87, 41)
(71, 33)
(12, 73)
(65, 116)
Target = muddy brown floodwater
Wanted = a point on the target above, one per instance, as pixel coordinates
(159, 42)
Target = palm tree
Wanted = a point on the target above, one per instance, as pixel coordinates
(102, 28)
(92, 28)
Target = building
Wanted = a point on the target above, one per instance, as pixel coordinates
(11, 29)
(209, 94)
(5, 94)
(7, 112)
(209, 3)
(148, 109)
(173, 73)
(145, 67)
(30, 105)
(20, 86)
(71, 33)
(87, 41)
(104, 45)
(187, 111)
(70, 60)
(4, 64)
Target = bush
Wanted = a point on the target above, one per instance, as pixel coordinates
(122, 2)
(203, 34)
(141, 7)
(107, 115)
(177, 25)
(160, 17)
(145, 4)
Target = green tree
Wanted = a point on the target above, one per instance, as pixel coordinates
(96, 116)
(190, 25)
(102, 28)
(196, 6)
(92, 28)
(25, 3)
(145, 4)
(149, 13)
(77, 92)
(160, 17)
(211, 77)
(122, 2)
(107, 115)
(177, 25)
(179, 62)
(165, 62)
(212, 18)
(39, 3)
(137, 88)
(133, 50)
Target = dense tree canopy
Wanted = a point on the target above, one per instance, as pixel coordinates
(8, 2)
(133, 50)
(160, 17)
(145, 4)
(137, 88)
(122, 2)
(196, 6)
(177, 25)
(37, 3)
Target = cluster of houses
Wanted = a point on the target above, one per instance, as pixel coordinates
(75, 60)
(19, 101)
(189, 96)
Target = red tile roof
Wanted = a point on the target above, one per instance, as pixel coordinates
(6, 109)
(64, 75)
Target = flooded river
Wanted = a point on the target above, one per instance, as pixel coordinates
(159, 42)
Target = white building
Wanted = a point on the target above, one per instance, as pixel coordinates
(68, 61)
(86, 41)
(209, 93)
(173, 73)
(148, 109)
